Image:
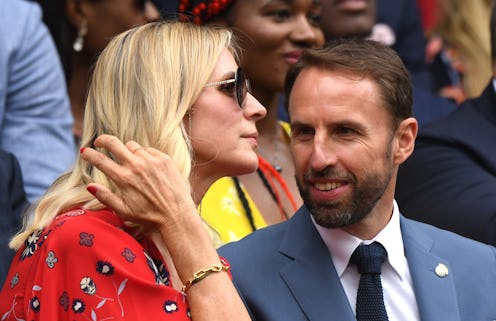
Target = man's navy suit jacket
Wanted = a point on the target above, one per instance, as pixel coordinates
(450, 179)
(285, 272)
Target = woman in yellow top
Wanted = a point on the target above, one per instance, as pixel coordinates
(273, 36)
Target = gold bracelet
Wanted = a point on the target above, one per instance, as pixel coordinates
(203, 273)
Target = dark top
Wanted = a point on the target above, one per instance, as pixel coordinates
(450, 180)
(12, 202)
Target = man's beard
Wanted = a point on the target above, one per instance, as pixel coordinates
(344, 212)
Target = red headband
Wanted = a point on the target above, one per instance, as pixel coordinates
(202, 12)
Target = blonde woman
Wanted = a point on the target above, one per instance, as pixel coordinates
(463, 29)
(175, 94)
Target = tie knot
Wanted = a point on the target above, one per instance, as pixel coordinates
(369, 258)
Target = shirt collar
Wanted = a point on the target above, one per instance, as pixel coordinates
(342, 244)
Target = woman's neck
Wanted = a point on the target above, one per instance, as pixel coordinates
(77, 87)
(200, 183)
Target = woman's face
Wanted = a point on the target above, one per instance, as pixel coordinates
(108, 18)
(348, 18)
(276, 32)
(223, 133)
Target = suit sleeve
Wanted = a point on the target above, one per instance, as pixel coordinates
(445, 185)
(37, 120)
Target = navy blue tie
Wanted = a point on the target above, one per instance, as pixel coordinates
(370, 300)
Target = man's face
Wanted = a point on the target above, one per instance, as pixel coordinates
(342, 144)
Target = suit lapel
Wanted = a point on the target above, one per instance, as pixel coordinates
(435, 295)
(310, 275)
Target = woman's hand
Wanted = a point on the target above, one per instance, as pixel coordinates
(153, 193)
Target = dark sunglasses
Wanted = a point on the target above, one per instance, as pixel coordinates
(241, 86)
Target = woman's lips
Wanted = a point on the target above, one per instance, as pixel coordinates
(352, 5)
(293, 56)
(252, 138)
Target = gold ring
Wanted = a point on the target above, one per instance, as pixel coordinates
(137, 149)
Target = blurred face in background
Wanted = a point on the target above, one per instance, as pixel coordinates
(107, 18)
(273, 35)
(348, 18)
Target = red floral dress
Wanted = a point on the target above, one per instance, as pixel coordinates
(84, 266)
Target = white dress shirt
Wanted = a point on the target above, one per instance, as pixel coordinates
(399, 296)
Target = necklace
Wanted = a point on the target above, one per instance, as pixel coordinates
(275, 162)
(269, 176)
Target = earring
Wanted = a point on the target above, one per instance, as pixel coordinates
(79, 42)
(190, 112)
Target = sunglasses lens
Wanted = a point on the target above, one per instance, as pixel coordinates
(240, 87)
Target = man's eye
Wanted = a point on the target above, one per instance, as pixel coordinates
(302, 132)
(345, 131)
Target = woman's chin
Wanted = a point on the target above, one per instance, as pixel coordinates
(247, 167)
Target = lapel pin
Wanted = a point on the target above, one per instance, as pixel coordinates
(441, 270)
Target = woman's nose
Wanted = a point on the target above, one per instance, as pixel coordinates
(253, 108)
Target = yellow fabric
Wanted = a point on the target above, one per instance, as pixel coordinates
(286, 127)
(223, 212)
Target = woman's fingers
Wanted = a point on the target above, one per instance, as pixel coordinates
(122, 152)
(101, 161)
(109, 199)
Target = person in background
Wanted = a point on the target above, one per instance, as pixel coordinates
(460, 41)
(273, 35)
(396, 23)
(12, 203)
(35, 117)
(81, 29)
(348, 19)
(450, 180)
(169, 88)
(404, 19)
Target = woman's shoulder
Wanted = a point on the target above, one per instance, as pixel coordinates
(76, 228)
(82, 216)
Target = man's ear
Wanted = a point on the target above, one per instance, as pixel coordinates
(405, 140)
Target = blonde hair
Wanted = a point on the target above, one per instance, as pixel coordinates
(143, 84)
(464, 25)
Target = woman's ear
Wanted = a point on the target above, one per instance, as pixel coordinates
(405, 136)
(75, 12)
